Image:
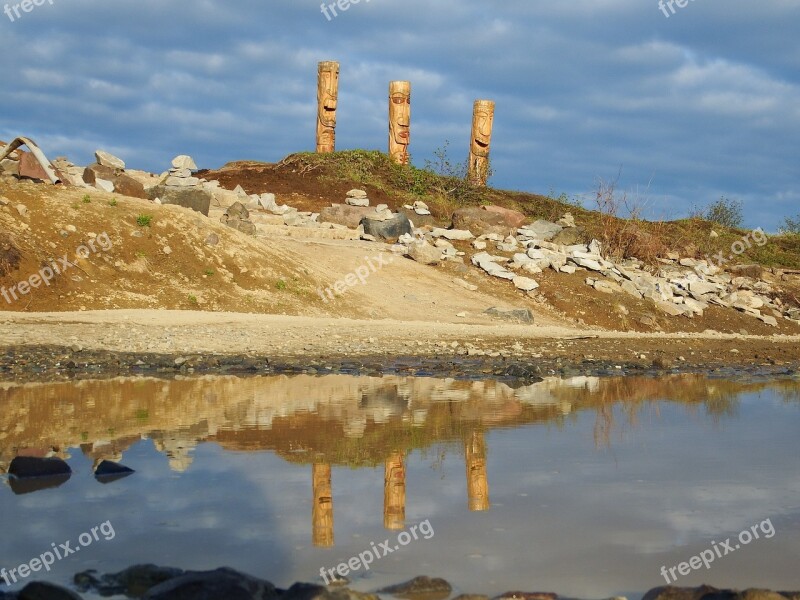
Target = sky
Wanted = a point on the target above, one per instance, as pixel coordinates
(680, 109)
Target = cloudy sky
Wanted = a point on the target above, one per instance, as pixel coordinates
(686, 108)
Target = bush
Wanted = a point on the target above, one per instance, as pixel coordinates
(727, 213)
(791, 225)
(144, 220)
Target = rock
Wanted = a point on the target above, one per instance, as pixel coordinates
(420, 208)
(96, 171)
(479, 245)
(104, 185)
(108, 470)
(527, 596)
(713, 234)
(343, 214)
(357, 201)
(28, 166)
(752, 271)
(23, 467)
(569, 236)
(195, 198)
(481, 222)
(669, 308)
(586, 263)
(453, 234)
(388, 230)
(431, 588)
(360, 194)
(184, 162)
(22, 210)
(513, 218)
(242, 225)
(109, 160)
(520, 315)
(567, 220)
(238, 210)
(704, 287)
(181, 182)
(768, 320)
(464, 284)
(602, 286)
(132, 582)
(525, 284)
(212, 239)
(212, 585)
(40, 590)
(630, 288)
(540, 230)
(568, 269)
(128, 186)
(424, 253)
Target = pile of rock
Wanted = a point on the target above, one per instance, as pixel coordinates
(238, 217)
(180, 175)
(357, 198)
(419, 207)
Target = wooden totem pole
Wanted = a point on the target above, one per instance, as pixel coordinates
(399, 121)
(327, 95)
(394, 492)
(482, 121)
(477, 481)
(322, 510)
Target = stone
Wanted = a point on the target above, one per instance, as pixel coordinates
(752, 271)
(104, 185)
(175, 181)
(569, 236)
(424, 253)
(586, 263)
(108, 467)
(520, 315)
(95, 171)
(29, 167)
(420, 208)
(567, 220)
(525, 284)
(669, 308)
(453, 234)
(242, 225)
(630, 288)
(540, 230)
(41, 590)
(568, 269)
(479, 245)
(361, 194)
(388, 230)
(212, 239)
(357, 201)
(343, 214)
(430, 588)
(602, 286)
(513, 218)
(22, 210)
(768, 320)
(184, 162)
(126, 185)
(109, 160)
(468, 286)
(196, 198)
(704, 287)
(212, 585)
(23, 467)
(480, 221)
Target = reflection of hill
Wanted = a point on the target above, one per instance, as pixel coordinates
(337, 418)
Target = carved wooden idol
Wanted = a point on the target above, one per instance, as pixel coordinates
(322, 509)
(477, 481)
(399, 121)
(327, 95)
(394, 492)
(482, 121)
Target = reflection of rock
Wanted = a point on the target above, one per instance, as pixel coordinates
(25, 467)
(210, 585)
(132, 582)
(430, 588)
(178, 451)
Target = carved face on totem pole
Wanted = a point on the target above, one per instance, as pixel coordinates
(482, 122)
(399, 121)
(327, 96)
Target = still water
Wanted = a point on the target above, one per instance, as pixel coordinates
(583, 486)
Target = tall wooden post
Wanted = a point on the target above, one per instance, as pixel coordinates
(477, 481)
(482, 122)
(322, 510)
(399, 121)
(394, 492)
(327, 98)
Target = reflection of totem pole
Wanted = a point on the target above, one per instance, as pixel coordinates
(394, 492)
(322, 511)
(327, 94)
(399, 121)
(482, 120)
(477, 482)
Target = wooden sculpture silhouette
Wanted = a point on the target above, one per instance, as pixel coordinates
(482, 121)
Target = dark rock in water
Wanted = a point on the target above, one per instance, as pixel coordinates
(133, 581)
(108, 471)
(189, 197)
(421, 586)
(388, 230)
(521, 315)
(525, 372)
(39, 590)
(527, 596)
(220, 584)
(32, 466)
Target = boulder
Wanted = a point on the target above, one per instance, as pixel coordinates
(541, 230)
(238, 210)
(388, 230)
(212, 585)
(108, 471)
(513, 218)
(184, 162)
(195, 198)
(242, 225)
(357, 202)
(23, 467)
(526, 284)
(520, 315)
(109, 160)
(453, 234)
(481, 222)
(424, 253)
(752, 271)
(343, 214)
(128, 186)
(97, 171)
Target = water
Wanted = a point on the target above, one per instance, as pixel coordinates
(586, 486)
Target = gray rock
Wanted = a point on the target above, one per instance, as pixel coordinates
(213, 585)
(184, 162)
(388, 230)
(453, 234)
(104, 185)
(195, 198)
(424, 253)
(481, 222)
(109, 160)
(525, 284)
(343, 214)
(520, 315)
(357, 201)
(541, 230)
(357, 194)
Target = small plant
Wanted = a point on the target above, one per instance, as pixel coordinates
(144, 220)
(112, 202)
(141, 254)
(791, 225)
(86, 199)
(192, 299)
(280, 285)
(208, 272)
(727, 213)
